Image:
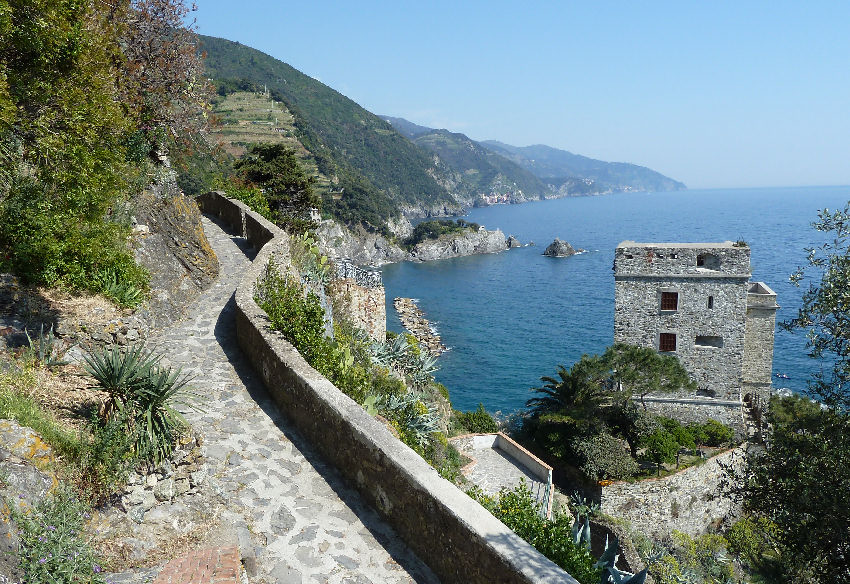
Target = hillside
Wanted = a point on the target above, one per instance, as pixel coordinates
(559, 166)
(474, 173)
(378, 172)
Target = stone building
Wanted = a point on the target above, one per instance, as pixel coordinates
(696, 301)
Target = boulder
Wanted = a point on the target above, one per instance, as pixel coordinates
(512, 242)
(559, 249)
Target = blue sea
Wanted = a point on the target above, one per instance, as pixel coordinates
(512, 317)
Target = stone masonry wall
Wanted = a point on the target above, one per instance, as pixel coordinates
(758, 349)
(639, 320)
(458, 539)
(366, 307)
(688, 500)
(649, 259)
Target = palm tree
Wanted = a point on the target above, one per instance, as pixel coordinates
(575, 393)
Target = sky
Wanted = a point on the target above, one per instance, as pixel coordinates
(715, 94)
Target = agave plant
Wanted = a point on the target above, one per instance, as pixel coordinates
(411, 414)
(114, 287)
(141, 392)
(43, 347)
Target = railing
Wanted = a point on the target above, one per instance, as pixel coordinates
(368, 278)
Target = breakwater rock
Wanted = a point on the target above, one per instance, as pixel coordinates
(560, 249)
(413, 319)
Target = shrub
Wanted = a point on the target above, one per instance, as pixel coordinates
(52, 548)
(478, 421)
(605, 457)
(517, 509)
(717, 434)
(661, 447)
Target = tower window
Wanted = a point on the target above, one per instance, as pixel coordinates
(669, 301)
(667, 342)
(709, 341)
(708, 261)
(711, 301)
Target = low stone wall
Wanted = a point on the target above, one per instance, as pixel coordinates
(687, 410)
(458, 539)
(688, 500)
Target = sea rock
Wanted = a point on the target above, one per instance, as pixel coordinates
(512, 242)
(559, 249)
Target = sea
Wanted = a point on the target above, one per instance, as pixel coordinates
(512, 317)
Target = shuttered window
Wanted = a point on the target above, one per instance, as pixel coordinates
(667, 342)
(669, 301)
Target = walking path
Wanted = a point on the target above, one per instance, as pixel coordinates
(311, 526)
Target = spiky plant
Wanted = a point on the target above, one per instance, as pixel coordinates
(43, 348)
(142, 392)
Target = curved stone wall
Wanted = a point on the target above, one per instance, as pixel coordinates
(458, 539)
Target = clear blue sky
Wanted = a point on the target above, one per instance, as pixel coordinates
(716, 94)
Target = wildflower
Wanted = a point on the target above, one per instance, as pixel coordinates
(42, 560)
(96, 569)
(51, 528)
(42, 538)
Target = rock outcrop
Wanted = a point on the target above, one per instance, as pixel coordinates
(364, 248)
(512, 242)
(171, 244)
(413, 319)
(559, 249)
(360, 246)
(459, 244)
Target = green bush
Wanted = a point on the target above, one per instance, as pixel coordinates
(478, 421)
(553, 538)
(717, 434)
(53, 549)
(604, 457)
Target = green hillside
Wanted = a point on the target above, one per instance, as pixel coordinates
(558, 166)
(376, 170)
(477, 170)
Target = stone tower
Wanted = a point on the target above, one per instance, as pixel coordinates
(696, 301)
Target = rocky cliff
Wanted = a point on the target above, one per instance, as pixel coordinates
(459, 244)
(364, 248)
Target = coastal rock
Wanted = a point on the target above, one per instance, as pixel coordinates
(413, 319)
(559, 249)
(512, 242)
(460, 244)
(360, 246)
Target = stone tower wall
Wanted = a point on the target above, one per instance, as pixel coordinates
(710, 281)
(639, 320)
(758, 348)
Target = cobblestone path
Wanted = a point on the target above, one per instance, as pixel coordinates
(311, 527)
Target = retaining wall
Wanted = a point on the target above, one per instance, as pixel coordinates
(456, 537)
(689, 500)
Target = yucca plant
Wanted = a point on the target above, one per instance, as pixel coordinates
(43, 348)
(122, 373)
(142, 392)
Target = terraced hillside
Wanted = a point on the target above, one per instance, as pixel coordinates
(248, 117)
(379, 172)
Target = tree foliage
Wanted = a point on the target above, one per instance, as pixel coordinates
(801, 484)
(68, 134)
(286, 187)
(825, 310)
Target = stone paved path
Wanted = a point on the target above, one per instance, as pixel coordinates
(494, 470)
(310, 526)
